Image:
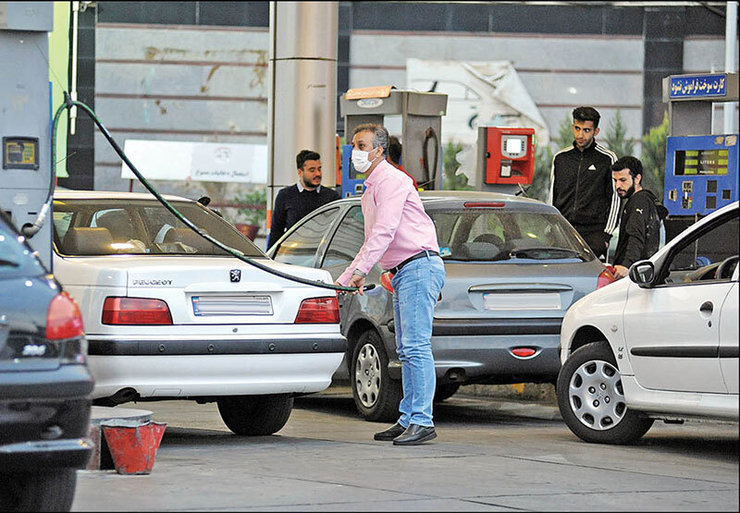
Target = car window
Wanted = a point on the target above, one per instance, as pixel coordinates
(113, 226)
(347, 240)
(16, 259)
(300, 247)
(698, 258)
(484, 235)
(62, 221)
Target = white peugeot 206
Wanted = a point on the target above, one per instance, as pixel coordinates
(169, 315)
(661, 344)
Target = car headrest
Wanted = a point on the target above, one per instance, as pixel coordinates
(189, 238)
(87, 241)
(118, 222)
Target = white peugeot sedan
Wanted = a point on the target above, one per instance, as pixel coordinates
(662, 344)
(169, 315)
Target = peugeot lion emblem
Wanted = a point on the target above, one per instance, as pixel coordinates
(235, 275)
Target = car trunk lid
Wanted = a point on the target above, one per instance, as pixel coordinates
(514, 290)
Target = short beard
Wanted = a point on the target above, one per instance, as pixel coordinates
(628, 194)
(308, 185)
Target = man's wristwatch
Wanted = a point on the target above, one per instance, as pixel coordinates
(359, 273)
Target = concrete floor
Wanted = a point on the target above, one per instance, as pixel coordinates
(491, 455)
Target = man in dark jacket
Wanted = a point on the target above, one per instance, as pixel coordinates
(581, 186)
(294, 202)
(639, 226)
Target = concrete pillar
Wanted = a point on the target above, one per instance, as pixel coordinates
(730, 54)
(302, 90)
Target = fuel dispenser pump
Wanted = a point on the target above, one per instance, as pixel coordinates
(25, 104)
(421, 124)
(505, 160)
(701, 173)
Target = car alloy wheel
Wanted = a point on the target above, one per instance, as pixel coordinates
(591, 398)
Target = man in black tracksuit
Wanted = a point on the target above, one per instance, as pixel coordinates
(581, 185)
(639, 226)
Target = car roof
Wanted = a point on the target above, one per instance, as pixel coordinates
(449, 198)
(69, 194)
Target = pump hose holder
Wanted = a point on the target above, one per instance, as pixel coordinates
(428, 136)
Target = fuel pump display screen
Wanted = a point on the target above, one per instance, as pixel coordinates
(701, 162)
(513, 146)
(20, 153)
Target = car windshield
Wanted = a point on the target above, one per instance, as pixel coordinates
(115, 226)
(486, 235)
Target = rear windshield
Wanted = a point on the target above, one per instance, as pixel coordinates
(485, 235)
(115, 226)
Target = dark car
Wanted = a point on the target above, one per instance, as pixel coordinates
(514, 266)
(44, 383)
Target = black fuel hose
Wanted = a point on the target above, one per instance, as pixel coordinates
(428, 136)
(69, 103)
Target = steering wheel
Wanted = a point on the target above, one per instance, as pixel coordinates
(726, 268)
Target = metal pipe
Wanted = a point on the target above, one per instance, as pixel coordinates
(302, 91)
(730, 54)
(73, 88)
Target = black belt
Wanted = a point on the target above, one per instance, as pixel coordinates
(425, 253)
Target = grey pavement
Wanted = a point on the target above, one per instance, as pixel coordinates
(491, 455)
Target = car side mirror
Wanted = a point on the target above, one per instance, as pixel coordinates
(642, 273)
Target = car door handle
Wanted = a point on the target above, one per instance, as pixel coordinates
(706, 307)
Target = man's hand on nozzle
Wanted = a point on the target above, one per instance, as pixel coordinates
(358, 281)
(620, 271)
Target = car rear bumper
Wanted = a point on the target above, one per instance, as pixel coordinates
(173, 346)
(197, 375)
(42, 455)
(479, 358)
(43, 433)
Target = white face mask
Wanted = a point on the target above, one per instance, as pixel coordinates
(361, 161)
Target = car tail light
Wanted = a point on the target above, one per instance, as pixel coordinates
(385, 281)
(319, 310)
(523, 352)
(484, 204)
(606, 277)
(63, 318)
(135, 310)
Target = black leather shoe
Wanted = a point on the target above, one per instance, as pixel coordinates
(390, 433)
(415, 435)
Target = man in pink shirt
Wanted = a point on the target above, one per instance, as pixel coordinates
(402, 238)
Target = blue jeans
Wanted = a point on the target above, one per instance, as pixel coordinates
(416, 289)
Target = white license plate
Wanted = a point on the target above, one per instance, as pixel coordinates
(231, 305)
(522, 301)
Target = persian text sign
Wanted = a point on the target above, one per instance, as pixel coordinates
(697, 86)
(208, 162)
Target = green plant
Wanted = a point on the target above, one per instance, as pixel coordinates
(616, 137)
(653, 157)
(452, 180)
(253, 206)
(540, 187)
(565, 132)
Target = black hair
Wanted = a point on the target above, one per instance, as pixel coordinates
(394, 149)
(628, 162)
(305, 155)
(587, 114)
